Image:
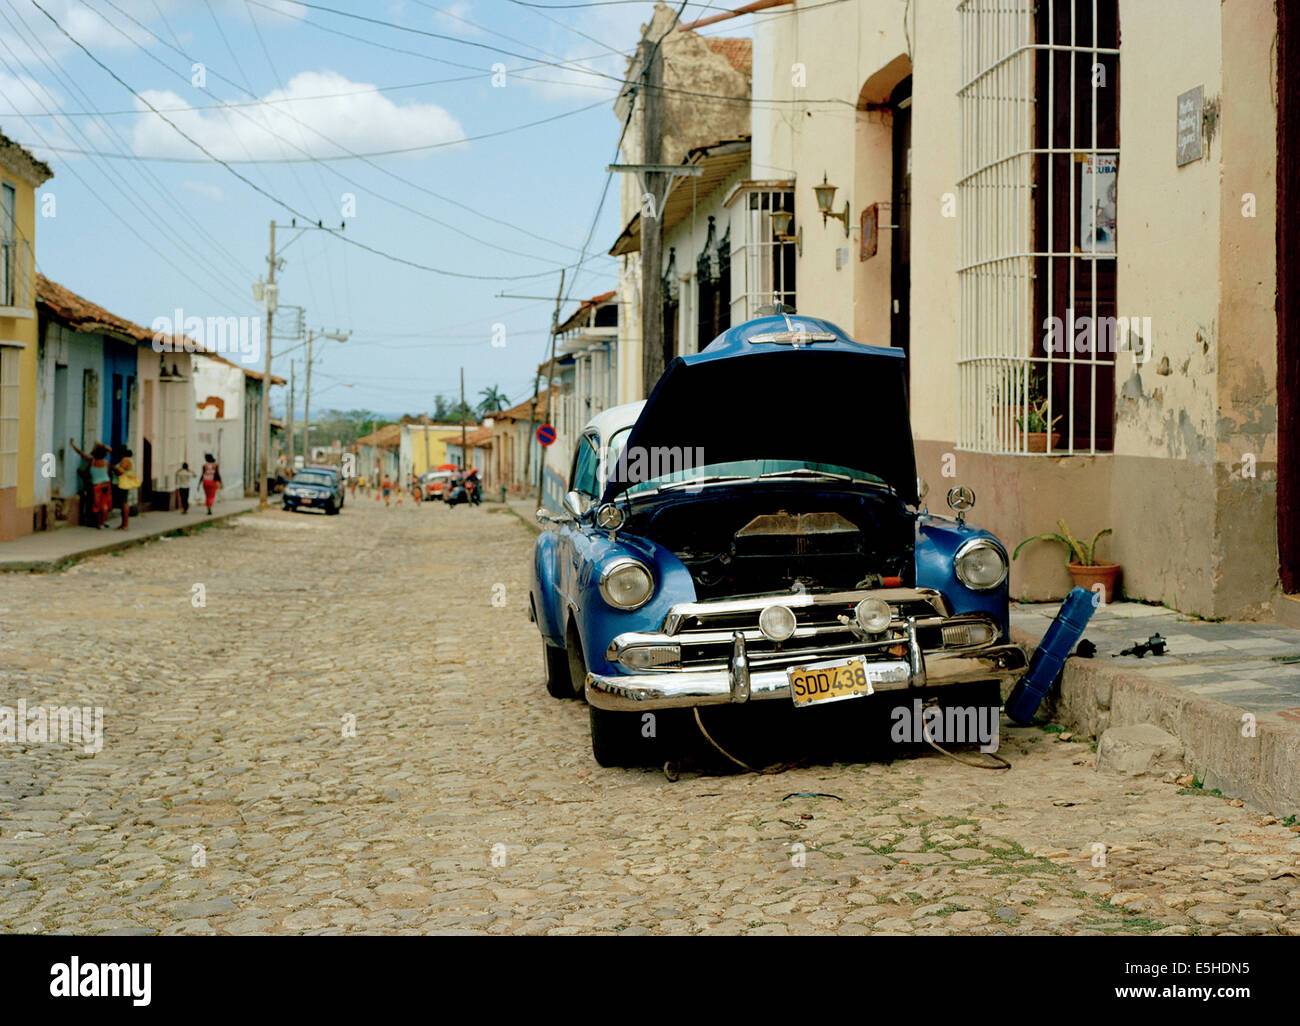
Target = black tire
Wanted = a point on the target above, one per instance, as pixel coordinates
(616, 739)
(331, 509)
(556, 661)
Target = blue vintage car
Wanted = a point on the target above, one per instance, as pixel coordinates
(752, 533)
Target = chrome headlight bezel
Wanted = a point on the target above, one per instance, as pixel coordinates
(778, 632)
(624, 563)
(979, 544)
(873, 624)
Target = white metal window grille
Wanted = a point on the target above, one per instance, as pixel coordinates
(762, 265)
(10, 360)
(1037, 119)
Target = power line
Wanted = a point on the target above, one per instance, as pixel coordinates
(309, 157)
(124, 187)
(264, 192)
(348, 155)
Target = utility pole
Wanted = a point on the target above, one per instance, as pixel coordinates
(266, 380)
(550, 369)
(424, 420)
(464, 463)
(292, 380)
(652, 302)
(306, 405)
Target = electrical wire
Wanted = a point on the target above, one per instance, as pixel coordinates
(391, 174)
(265, 192)
(129, 193)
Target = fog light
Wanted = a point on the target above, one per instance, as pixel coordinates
(965, 635)
(873, 615)
(647, 657)
(776, 623)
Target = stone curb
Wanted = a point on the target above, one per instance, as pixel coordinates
(46, 566)
(1264, 769)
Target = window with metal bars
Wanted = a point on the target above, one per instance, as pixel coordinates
(1040, 162)
(713, 285)
(763, 259)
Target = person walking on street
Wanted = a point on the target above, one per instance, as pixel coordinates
(101, 489)
(387, 488)
(211, 478)
(184, 478)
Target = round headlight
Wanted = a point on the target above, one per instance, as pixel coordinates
(873, 614)
(980, 564)
(609, 517)
(627, 584)
(776, 623)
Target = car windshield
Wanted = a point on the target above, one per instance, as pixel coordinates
(307, 477)
(743, 470)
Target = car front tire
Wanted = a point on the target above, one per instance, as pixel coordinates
(331, 509)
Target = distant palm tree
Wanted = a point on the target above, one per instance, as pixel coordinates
(494, 401)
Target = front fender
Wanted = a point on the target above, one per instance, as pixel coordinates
(937, 541)
(598, 622)
(548, 603)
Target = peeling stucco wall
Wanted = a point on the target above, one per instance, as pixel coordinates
(1245, 557)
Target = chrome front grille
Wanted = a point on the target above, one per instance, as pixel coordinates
(705, 630)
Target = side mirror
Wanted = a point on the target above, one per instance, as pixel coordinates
(576, 504)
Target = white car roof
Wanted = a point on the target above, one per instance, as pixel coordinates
(607, 422)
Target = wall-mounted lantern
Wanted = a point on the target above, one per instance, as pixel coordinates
(825, 198)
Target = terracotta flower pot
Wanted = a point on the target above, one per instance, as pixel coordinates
(1087, 576)
(1038, 441)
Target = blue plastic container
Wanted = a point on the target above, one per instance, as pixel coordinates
(1061, 637)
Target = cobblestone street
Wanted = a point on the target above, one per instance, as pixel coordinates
(228, 798)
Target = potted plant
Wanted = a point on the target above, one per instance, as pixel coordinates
(1082, 560)
(1036, 427)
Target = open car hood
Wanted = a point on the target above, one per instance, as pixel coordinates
(781, 388)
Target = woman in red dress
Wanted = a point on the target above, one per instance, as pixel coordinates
(211, 478)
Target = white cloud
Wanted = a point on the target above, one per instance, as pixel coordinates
(204, 189)
(363, 121)
(455, 18)
(617, 28)
(21, 94)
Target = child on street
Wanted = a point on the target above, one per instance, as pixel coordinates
(184, 478)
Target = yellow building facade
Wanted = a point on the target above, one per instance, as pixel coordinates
(21, 175)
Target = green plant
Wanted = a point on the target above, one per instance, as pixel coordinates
(1080, 554)
(1036, 421)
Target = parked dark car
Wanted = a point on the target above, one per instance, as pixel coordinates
(754, 533)
(315, 488)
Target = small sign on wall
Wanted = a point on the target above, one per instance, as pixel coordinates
(1191, 114)
(869, 236)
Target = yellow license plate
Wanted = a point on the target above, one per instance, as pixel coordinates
(829, 682)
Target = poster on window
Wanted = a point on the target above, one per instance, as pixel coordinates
(1097, 186)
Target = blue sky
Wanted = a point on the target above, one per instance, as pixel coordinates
(145, 222)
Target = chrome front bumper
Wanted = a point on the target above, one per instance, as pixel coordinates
(739, 683)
